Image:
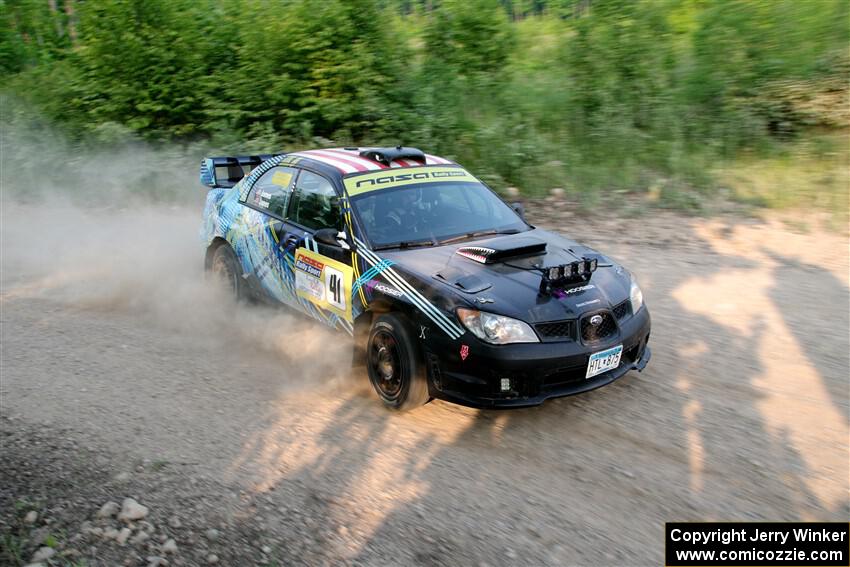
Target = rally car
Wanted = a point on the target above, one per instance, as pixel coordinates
(447, 290)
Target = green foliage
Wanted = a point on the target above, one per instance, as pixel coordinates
(741, 47)
(468, 38)
(145, 64)
(590, 95)
(31, 32)
(320, 67)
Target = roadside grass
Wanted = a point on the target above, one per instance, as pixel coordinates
(810, 176)
(806, 181)
(14, 544)
(17, 543)
(11, 550)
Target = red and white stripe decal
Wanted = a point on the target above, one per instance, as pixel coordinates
(343, 161)
(432, 160)
(341, 165)
(360, 163)
(354, 155)
(404, 163)
(349, 161)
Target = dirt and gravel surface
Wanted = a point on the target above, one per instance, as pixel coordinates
(242, 440)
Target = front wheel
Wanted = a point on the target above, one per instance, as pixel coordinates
(394, 365)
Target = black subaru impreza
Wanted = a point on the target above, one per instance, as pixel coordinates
(448, 291)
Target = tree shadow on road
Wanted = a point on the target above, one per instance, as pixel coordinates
(823, 312)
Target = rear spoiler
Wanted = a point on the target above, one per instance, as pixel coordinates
(224, 172)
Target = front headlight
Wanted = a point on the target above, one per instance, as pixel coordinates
(635, 296)
(496, 329)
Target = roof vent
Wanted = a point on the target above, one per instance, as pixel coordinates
(388, 155)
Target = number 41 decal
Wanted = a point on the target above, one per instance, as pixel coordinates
(324, 282)
(335, 288)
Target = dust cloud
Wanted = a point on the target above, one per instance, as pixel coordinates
(118, 232)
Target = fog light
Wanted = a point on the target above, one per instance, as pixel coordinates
(506, 384)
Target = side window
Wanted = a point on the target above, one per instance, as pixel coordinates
(315, 204)
(271, 192)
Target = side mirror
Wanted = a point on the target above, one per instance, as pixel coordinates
(519, 209)
(332, 237)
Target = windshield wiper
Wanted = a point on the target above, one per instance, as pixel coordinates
(479, 234)
(405, 244)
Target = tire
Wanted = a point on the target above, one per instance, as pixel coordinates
(394, 364)
(226, 270)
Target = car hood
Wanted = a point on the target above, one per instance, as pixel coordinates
(505, 285)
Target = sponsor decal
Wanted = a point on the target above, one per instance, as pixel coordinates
(366, 279)
(309, 265)
(385, 179)
(591, 302)
(282, 178)
(388, 290)
(464, 351)
(423, 332)
(263, 199)
(578, 289)
(400, 177)
(324, 282)
(363, 183)
(309, 287)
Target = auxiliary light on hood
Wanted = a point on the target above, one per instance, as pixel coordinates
(574, 272)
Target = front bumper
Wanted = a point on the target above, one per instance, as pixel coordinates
(537, 371)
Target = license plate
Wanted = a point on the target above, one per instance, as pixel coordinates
(604, 360)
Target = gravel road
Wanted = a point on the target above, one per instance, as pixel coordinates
(248, 442)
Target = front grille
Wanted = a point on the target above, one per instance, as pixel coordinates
(591, 333)
(556, 330)
(623, 309)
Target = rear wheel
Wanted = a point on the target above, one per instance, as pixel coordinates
(225, 271)
(394, 365)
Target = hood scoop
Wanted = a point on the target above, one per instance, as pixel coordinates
(467, 283)
(500, 249)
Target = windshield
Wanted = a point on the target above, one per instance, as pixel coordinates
(432, 213)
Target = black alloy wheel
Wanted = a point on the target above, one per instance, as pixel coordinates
(394, 364)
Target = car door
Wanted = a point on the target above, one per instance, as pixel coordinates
(263, 233)
(323, 274)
